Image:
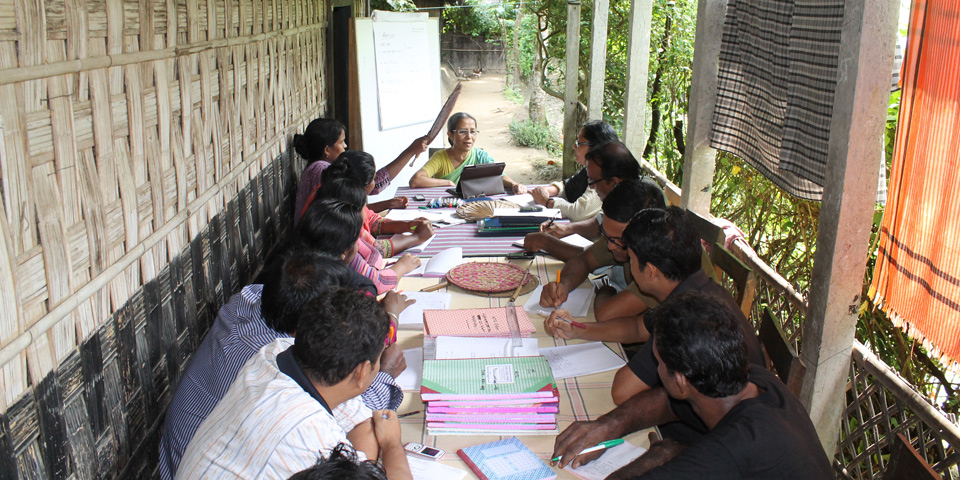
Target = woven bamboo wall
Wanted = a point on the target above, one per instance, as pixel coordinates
(143, 177)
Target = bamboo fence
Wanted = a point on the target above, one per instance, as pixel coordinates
(144, 175)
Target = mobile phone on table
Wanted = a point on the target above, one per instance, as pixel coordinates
(424, 451)
(521, 256)
(534, 208)
(419, 198)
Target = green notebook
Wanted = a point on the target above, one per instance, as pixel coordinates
(487, 379)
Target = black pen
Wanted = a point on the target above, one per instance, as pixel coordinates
(405, 415)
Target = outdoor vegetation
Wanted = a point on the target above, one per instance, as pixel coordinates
(781, 228)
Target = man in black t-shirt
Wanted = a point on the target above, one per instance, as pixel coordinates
(757, 428)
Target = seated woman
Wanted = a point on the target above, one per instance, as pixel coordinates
(358, 168)
(367, 261)
(572, 197)
(444, 167)
(322, 142)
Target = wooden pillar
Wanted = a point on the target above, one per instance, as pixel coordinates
(598, 59)
(638, 61)
(699, 159)
(859, 115)
(571, 94)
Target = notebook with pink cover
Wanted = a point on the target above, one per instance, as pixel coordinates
(474, 322)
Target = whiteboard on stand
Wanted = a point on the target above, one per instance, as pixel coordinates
(398, 76)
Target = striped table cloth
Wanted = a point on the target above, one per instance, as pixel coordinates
(581, 398)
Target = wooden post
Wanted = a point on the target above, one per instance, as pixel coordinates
(859, 115)
(598, 59)
(571, 95)
(638, 59)
(699, 159)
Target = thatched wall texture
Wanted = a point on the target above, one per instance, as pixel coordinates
(143, 178)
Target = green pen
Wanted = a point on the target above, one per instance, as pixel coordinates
(601, 446)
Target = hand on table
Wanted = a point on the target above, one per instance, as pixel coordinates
(406, 264)
(387, 430)
(553, 295)
(558, 328)
(396, 202)
(395, 303)
(554, 229)
(534, 242)
(422, 228)
(579, 436)
(659, 453)
(392, 361)
(519, 188)
(540, 195)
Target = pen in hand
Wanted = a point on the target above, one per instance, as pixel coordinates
(571, 322)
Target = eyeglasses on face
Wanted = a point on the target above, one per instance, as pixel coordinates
(579, 144)
(591, 182)
(464, 132)
(615, 241)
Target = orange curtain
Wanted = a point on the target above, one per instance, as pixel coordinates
(917, 276)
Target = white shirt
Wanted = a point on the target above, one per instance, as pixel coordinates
(267, 425)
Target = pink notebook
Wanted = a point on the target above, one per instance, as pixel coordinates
(473, 322)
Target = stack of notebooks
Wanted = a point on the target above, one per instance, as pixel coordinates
(499, 396)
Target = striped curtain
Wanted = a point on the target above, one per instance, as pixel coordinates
(777, 76)
(917, 276)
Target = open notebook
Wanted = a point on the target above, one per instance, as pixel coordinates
(439, 264)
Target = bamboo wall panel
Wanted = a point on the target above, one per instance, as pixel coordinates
(144, 177)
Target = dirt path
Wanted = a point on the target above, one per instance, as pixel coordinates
(484, 99)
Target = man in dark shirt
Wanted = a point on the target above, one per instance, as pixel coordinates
(757, 428)
(665, 259)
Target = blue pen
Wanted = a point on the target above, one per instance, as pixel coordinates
(601, 446)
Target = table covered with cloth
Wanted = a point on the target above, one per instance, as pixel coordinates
(581, 398)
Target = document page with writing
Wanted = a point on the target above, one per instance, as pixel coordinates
(609, 462)
(578, 302)
(581, 359)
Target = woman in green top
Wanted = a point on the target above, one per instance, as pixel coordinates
(444, 167)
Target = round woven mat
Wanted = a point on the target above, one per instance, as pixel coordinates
(491, 278)
(474, 211)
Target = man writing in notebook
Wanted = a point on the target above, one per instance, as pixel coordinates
(666, 260)
(619, 206)
(293, 403)
(757, 428)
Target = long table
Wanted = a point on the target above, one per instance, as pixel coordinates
(463, 235)
(581, 398)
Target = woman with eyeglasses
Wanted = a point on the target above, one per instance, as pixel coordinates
(323, 141)
(444, 167)
(572, 197)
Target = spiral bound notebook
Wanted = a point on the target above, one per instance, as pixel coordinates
(507, 459)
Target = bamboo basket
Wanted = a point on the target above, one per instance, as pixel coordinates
(144, 177)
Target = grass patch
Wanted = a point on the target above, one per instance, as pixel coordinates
(546, 169)
(536, 135)
(513, 94)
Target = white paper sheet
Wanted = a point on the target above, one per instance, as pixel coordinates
(474, 347)
(524, 199)
(581, 359)
(421, 247)
(440, 263)
(424, 469)
(513, 212)
(578, 302)
(411, 377)
(609, 462)
(576, 240)
(412, 316)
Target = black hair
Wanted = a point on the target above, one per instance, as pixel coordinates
(355, 164)
(699, 336)
(293, 280)
(455, 119)
(665, 238)
(330, 226)
(320, 133)
(628, 198)
(598, 131)
(345, 189)
(339, 329)
(614, 160)
(342, 463)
